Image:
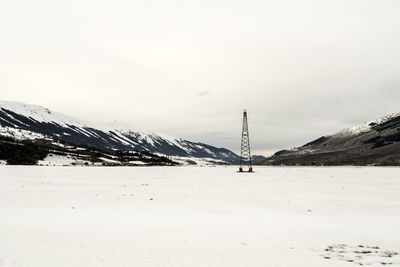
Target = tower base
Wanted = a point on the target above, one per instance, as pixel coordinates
(241, 169)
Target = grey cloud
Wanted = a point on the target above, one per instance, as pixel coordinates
(203, 93)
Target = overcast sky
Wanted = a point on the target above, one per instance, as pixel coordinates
(188, 68)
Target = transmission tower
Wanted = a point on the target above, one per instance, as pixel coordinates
(245, 154)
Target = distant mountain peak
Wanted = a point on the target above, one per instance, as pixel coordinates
(40, 114)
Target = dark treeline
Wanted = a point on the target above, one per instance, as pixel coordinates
(29, 152)
(21, 152)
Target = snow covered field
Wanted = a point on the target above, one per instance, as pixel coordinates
(191, 216)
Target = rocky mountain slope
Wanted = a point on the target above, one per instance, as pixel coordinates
(372, 143)
(31, 122)
(48, 153)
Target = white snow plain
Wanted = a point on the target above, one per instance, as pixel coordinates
(191, 216)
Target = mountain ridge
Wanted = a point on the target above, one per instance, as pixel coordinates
(24, 121)
(375, 142)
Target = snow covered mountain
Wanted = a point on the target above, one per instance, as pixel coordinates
(375, 142)
(29, 122)
(367, 126)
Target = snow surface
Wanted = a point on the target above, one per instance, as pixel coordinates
(362, 128)
(137, 162)
(57, 160)
(200, 162)
(186, 216)
(19, 134)
(40, 113)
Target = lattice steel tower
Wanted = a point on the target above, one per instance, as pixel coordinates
(245, 154)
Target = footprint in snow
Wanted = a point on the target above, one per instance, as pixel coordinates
(361, 255)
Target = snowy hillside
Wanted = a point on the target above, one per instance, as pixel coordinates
(366, 126)
(375, 142)
(23, 121)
